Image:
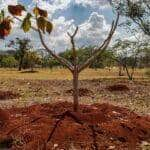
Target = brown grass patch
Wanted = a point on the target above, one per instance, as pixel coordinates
(82, 92)
(118, 87)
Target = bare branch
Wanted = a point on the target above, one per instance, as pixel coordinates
(57, 57)
(74, 34)
(102, 48)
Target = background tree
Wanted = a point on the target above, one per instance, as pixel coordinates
(144, 60)
(31, 59)
(49, 62)
(102, 60)
(128, 54)
(137, 12)
(21, 46)
(43, 26)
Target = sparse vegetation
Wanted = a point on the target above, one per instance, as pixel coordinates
(76, 99)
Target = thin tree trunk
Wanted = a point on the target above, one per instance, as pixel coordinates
(120, 70)
(132, 73)
(133, 67)
(75, 90)
(129, 76)
(32, 69)
(20, 64)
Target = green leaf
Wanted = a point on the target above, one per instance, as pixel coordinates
(49, 27)
(41, 23)
(26, 25)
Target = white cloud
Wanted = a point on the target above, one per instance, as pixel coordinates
(59, 38)
(51, 6)
(94, 3)
(92, 32)
(5, 3)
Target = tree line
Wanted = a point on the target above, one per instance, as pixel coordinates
(24, 56)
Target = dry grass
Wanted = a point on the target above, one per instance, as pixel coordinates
(62, 74)
(51, 85)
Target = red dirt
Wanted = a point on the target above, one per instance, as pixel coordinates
(118, 87)
(102, 127)
(82, 92)
(8, 95)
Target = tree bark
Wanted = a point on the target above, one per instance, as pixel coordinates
(75, 90)
(129, 76)
(120, 70)
(20, 64)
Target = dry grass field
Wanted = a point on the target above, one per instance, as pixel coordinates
(52, 85)
(64, 74)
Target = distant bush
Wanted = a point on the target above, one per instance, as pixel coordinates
(147, 72)
(9, 61)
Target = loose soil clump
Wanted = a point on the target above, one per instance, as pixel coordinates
(4, 95)
(118, 87)
(82, 92)
(56, 126)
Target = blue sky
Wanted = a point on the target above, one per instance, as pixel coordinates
(93, 17)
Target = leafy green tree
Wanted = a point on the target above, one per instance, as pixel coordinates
(128, 54)
(145, 56)
(137, 12)
(103, 60)
(49, 62)
(31, 59)
(21, 46)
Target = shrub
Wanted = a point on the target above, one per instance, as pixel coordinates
(9, 61)
(147, 72)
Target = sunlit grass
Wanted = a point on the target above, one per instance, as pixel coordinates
(59, 74)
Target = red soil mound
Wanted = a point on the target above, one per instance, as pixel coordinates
(82, 92)
(118, 87)
(4, 117)
(55, 126)
(8, 95)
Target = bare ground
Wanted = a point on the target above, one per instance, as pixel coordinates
(56, 127)
(137, 98)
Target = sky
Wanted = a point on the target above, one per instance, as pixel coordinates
(94, 18)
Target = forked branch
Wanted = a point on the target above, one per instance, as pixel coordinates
(73, 45)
